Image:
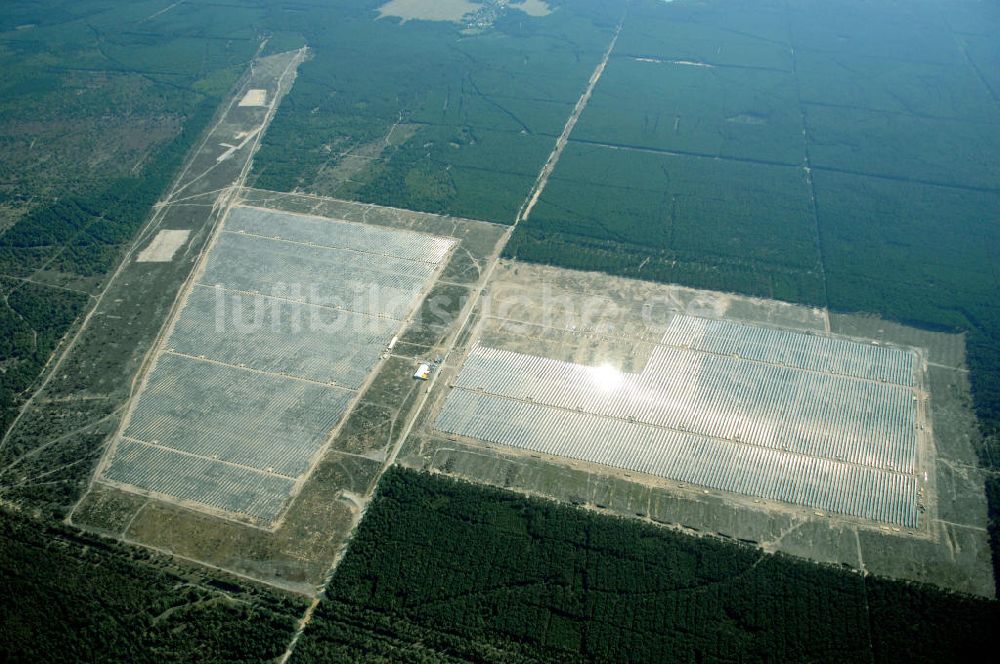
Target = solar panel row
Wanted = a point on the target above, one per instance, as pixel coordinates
(213, 483)
(281, 336)
(811, 413)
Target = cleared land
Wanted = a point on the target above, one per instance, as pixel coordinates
(531, 7)
(428, 10)
(241, 399)
(98, 109)
(163, 247)
(255, 97)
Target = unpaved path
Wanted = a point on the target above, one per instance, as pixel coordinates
(550, 164)
(466, 317)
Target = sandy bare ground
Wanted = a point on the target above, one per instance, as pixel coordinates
(255, 97)
(163, 247)
(531, 7)
(429, 10)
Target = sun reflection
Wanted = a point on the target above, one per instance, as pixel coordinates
(606, 377)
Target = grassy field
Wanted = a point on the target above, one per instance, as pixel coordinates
(450, 571)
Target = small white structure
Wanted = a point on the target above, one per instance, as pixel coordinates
(423, 372)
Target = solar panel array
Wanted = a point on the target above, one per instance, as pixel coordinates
(370, 284)
(281, 336)
(365, 238)
(272, 343)
(794, 349)
(713, 408)
(252, 419)
(213, 483)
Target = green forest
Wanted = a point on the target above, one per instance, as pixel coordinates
(724, 225)
(447, 120)
(735, 112)
(68, 597)
(450, 571)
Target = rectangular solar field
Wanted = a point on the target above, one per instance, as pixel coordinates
(823, 422)
(280, 329)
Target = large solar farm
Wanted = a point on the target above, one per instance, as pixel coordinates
(700, 395)
(285, 382)
(279, 330)
(788, 416)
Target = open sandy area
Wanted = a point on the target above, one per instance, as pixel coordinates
(532, 7)
(163, 247)
(255, 97)
(428, 10)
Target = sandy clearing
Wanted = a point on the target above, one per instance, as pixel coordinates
(163, 247)
(254, 97)
(428, 10)
(532, 7)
